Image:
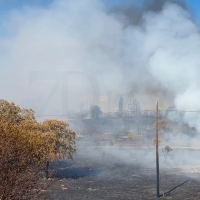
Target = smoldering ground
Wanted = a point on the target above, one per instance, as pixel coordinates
(101, 169)
(116, 142)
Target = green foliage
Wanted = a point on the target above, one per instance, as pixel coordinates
(95, 111)
(61, 138)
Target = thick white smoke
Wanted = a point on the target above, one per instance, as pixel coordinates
(72, 39)
(173, 46)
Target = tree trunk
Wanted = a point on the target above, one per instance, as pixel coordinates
(47, 169)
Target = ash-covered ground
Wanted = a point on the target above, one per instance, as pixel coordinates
(86, 179)
(116, 160)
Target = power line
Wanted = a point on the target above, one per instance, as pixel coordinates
(53, 115)
(194, 111)
(142, 111)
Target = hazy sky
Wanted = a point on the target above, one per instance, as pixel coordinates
(6, 6)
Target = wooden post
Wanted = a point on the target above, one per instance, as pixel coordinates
(157, 155)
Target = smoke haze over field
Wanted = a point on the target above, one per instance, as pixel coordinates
(88, 48)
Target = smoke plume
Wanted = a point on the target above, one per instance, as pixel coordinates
(78, 47)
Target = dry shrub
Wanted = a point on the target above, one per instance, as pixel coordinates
(154, 141)
(20, 168)
(112, 142)
(25, 147)
(105, 138)
(164, 126)
(131, 137)
(166, 151)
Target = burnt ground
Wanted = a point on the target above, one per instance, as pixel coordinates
(103, 174)
(84, 179)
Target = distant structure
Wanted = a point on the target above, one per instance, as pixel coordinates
(121, 104)
(88, 105)
(81, 107)
(171, 111)
(134, 106)
(95, 111)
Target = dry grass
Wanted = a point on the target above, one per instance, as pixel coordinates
(154, 141)
(130, 137)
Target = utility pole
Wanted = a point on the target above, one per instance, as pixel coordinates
(157, 156)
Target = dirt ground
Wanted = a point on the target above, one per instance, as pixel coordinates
(104, 176)
(83, 179)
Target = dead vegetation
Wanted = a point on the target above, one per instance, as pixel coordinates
(163, 173)
(154, 141)
(131, 138)
(166, 126)
(25, 147)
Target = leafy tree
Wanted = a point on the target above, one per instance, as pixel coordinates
(25, 146)
(95, 111)
(21, 162)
